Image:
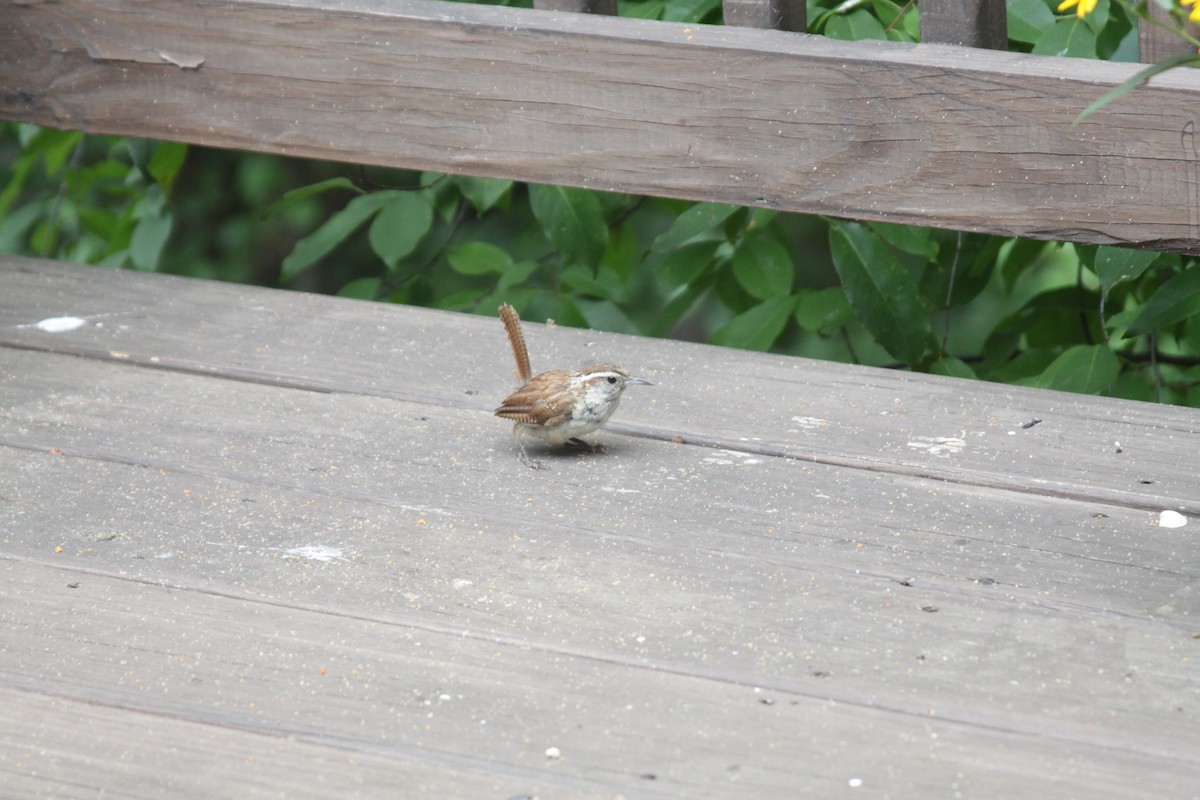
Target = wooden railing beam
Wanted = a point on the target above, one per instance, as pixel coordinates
(925, 134)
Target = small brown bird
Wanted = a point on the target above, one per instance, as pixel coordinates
(561, 405)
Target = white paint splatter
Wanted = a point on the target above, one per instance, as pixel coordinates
(1171, 519)
(809, 424)
(60, 324)
(316, 552)
(938, 445)
(727, 457)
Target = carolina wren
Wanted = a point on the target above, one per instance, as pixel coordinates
(561, 405)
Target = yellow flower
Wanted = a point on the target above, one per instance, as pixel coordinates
(1194, 16)
(1082, 7)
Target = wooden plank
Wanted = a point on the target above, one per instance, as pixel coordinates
(971, 23)
(927, 134)
(1101, 450)
(394, 457)
(783, 15)
(212, 672)
(432, 580)
(59, 746)
(324, 560)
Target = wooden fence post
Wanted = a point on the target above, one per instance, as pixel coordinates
(784, 15)
(1155, 44)
(971, 23)
(581, 6)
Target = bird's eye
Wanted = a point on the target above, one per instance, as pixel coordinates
(612, 378)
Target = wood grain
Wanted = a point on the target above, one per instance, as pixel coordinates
(247, 687)
(1104, 451)
(283, 534)
(279, 532)
(973, 23)
(783, 15)
(1155, 43)
(390, 455)
(926, 134)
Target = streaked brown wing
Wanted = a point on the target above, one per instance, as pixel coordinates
(542, 401)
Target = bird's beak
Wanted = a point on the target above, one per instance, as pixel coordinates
(642, 381)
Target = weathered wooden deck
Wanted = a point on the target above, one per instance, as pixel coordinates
(266, 544)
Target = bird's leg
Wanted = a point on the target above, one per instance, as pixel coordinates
(525, 459)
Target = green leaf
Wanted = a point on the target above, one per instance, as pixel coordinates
(1115, 264)
(883, 294)
(1118, 42)
(952, 367)
(361, 289)
(602, 283)
(758, 327)
(56, 148)
(603, 315)
(333, 232)
(1024, 368)
(400, 225)
(572, 220)
(621, 253)
(1135, 80)
(701, 218)
(823, 310)
(1027, 19)
(641, 10)
(14, 226)
(858, 24)
(569, 313)
(1098, 18)
(763, 266)
(1122, 319)
(1063, 316)
(151, 203)
(166, 162)
(1069, 36)
(1175, 300)
(516, 275)
(887, 12)
(149, 237)
(688, 10)
(761, 217)
(1084, 368)
(680, 304)
(484, 193)
(966, 260)
(296, 195)
(460, 301)
(478, 258)
(909, 238)
(682, 266)
(138, 150)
